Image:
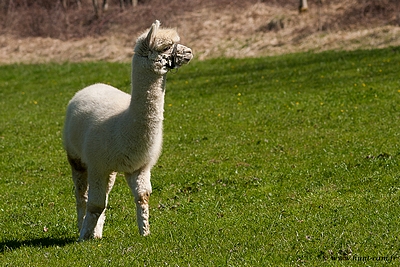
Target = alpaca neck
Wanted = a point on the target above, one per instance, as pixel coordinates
(147, 97)
(139, 130)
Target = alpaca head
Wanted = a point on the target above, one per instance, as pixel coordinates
(160, 48)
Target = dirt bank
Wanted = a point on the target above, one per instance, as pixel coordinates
(249, 29)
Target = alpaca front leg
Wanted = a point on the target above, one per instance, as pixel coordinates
(93, 213)
(96, 205)
(143, 213)
(140, 185)
(98, 230)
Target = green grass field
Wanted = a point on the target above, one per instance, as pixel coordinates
(275, 161)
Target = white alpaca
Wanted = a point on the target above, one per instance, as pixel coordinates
(108, 131)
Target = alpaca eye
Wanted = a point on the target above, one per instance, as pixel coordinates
(166, 48)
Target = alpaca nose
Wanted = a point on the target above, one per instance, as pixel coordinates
(183, 56)
(184, 50)
(189, 53)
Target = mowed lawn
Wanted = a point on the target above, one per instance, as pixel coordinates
(277, 161)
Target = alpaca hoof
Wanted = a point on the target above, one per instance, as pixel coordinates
(80, 239)
(146, 232)
(86, 238)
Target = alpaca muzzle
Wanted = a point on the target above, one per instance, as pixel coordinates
(180, 55)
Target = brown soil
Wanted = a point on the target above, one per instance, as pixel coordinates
(245, 28)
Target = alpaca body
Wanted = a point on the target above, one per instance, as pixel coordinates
(124, 142)
(108, 131)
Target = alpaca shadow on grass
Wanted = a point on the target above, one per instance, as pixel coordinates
(10, 245)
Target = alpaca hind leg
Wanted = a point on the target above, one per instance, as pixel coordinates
(96, 204)
(140, 185)
(79, 176)
(98, 230)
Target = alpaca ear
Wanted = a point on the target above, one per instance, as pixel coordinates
(151, 36)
